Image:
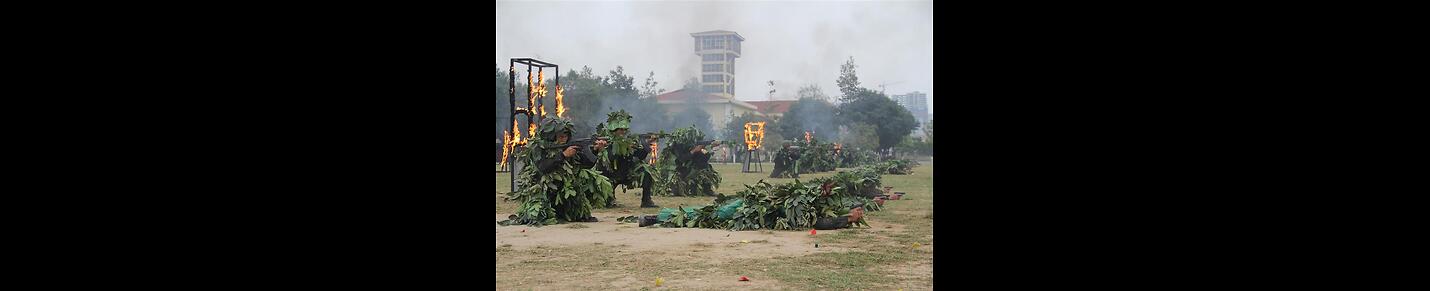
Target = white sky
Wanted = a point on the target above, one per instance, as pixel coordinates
(791, 42)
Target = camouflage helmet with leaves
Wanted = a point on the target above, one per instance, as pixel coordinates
(550, 126)
(618, 120)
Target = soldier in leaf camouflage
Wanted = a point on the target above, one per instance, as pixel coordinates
(548, 184)
(624, 161)
(855, 214)
(785, 162)
(693, 166)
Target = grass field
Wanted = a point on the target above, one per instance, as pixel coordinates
(881, 257)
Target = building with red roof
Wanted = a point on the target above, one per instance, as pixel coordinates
(773, 109)
(719, 106)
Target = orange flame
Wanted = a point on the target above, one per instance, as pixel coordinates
(505, 147)
(807, 137)
(754, 137)
(540, 90)
(516, 133)
(560, 108)
(531, 97)
(654, 152)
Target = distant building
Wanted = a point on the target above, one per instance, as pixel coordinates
(720, 106)
(773, 109)
(917, 104)
(717, 50)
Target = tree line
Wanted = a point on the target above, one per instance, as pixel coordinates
(862, 119)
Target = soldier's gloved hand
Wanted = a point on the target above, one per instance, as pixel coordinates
(570, 151)
(856, 214)
(600, 144)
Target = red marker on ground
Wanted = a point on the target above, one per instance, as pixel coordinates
(742, 278)
(811, 232)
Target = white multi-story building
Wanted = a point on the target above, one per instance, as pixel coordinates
(718, 50)
(917, 104)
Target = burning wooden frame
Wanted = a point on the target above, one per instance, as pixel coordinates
(754, 137)
(534, 111)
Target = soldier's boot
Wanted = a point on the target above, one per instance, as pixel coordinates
(612, 202)
(648, 220)
(645, 199)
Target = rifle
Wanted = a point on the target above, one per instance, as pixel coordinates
(708, 142)
(583, 143)
(648, 135)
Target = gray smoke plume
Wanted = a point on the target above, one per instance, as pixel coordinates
(791, 43)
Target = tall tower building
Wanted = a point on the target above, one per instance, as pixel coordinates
(718, 50)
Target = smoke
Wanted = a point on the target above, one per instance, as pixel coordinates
(646, 116)
(792, 43)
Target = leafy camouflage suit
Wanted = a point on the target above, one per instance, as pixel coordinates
(623, 160)
(554, 188)
(786, 162)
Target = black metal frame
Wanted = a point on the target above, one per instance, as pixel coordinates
(759, 167)
(530, 109)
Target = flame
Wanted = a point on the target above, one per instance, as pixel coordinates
(531, 96)
(754, 137)
(560, 108)
(505, 147)
(516, 133)
(654, 152)
(540, 90)
(807, 137)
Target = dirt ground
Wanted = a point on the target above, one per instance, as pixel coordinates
(621, 256)
(710, 245)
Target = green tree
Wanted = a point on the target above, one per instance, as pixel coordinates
(622, 83)
(590, 97)
(503, 105)
(928, 135)
(812, 91)
(861, 136)
(651, 87)
(913, 145)
(870, 107)
(848, 80)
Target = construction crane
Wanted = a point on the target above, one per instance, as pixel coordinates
(881, 86)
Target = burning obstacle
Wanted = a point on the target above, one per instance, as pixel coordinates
(754, 137)
(535, 111)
